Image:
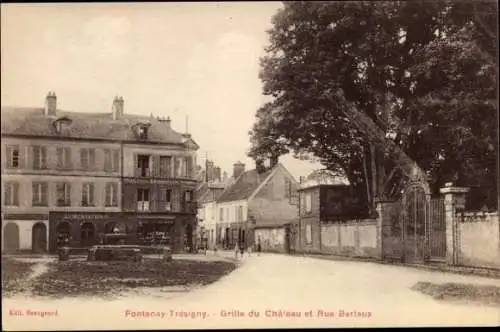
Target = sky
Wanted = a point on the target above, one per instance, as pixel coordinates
(194, 61)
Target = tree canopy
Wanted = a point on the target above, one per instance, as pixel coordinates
(424, 71)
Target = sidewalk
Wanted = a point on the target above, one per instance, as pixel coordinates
(441, 267)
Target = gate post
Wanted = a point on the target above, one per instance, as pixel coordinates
(454, 201)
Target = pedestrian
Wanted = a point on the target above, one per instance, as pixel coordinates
(242, 249)
(259, 247)
(236, 249)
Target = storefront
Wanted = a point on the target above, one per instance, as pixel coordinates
(83, 229)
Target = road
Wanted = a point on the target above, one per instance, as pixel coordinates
(371, 294)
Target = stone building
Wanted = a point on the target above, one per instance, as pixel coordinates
(69, 178)
(258, 201)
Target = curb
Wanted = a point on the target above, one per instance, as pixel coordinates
(462, 270)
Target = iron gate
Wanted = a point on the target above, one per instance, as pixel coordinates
(437, 229)
(414, 230)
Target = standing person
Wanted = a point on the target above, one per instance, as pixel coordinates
(259, 247)
(236, 249)
(242, 249)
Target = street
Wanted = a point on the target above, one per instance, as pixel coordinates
(282, 291)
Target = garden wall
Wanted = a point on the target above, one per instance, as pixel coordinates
(479, 239)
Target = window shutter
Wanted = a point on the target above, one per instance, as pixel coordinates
(91, 159)
(7, 194)
(189, 166)
(68, 194)
(107, 160)
(21, 157)
(107, 194)
(44, 157)
(60, 192)
(15, 194)
(9, 156)
(59, 157)
(36, 157)
(114, 187)
(67, 157)
(83, 159)
(34, 194)
(45, 190)
(176, 166)
(116, 160)
(91, 194)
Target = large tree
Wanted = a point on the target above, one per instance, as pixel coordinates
(425, 71)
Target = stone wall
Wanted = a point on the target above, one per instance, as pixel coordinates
(358, 238)
(479, 239)
(271, 239)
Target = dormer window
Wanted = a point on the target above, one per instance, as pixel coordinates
(142, 130)
(60, 123)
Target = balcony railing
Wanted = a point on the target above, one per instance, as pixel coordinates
(142, 206)
(142, 172)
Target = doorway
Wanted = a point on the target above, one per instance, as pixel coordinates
(39, 238)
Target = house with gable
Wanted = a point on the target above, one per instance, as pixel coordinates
(258, 207)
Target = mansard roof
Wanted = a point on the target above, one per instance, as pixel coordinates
(33, 122)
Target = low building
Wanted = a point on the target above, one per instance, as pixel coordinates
(331, 217)
(259, 201)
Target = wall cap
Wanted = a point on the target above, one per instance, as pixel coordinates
(454, 190)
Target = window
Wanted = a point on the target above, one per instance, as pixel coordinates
(87, 158)
(111, 194)
(13, 156)
(227, 213)
(63, 157)
(221, 214)
(168, 199)
(11, 193)
(63, 194)
(165, 166)
(143, 132)
(188, 196)
(143, 165)
(185, 167)
(142, 199)
(111, 160)
(308, 234)
(40, 190)
(39, 157)
(88, 194)
(308, 202)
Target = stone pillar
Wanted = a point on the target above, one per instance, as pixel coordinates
(379, 208)
(454, 201)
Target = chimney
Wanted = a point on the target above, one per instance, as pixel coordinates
(166, 121)
(238, 169)
(217, 174)
(117, 108)
(259, 166)
(50, 104)
(210, 170)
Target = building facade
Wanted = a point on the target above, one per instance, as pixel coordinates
(259, 201)
(69, 178)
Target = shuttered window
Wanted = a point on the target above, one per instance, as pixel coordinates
(63, 194)
(88, 194)
(13, 156)
(107, 160)
(111, 192)
(39, 157)
(11, 193)
(40, 193)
